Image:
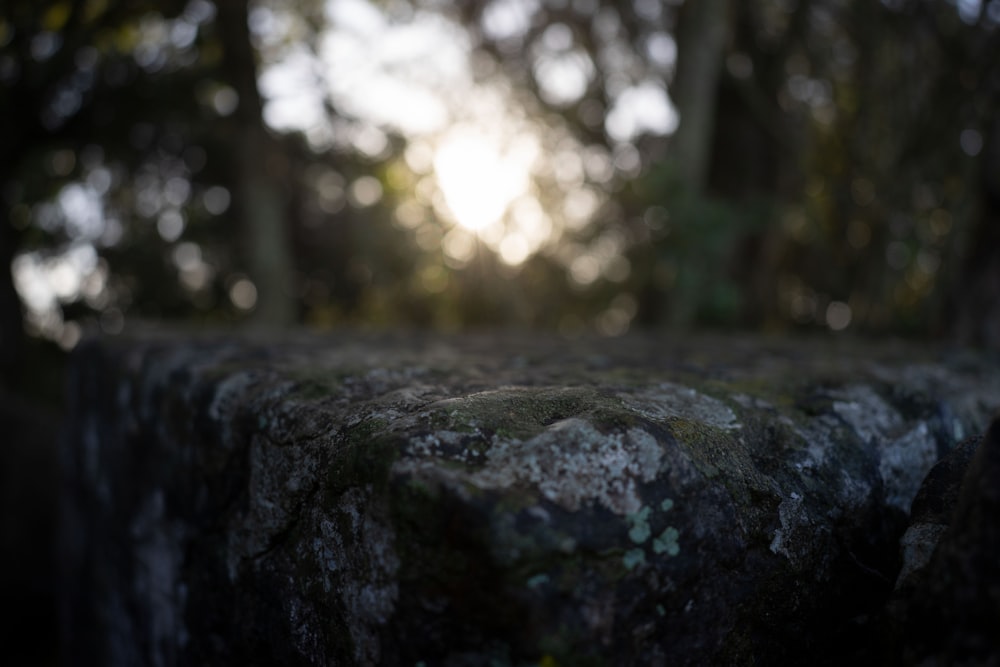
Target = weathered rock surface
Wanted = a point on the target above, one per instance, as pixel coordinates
(954, 584)
(507, 500)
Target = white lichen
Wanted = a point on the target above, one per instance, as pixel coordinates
(792, 517)
(572, 464)
(434, 444)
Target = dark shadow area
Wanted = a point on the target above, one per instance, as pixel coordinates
(29, 496)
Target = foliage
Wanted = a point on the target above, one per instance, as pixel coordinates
(847, 177)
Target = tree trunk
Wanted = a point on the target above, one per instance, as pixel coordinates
(11, 316)
(259, 174)
(976, 296)
(702, 28)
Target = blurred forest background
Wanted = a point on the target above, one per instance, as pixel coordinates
(576, 165)
(569, 165)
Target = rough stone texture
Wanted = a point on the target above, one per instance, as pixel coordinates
(956, 583)
(509, 500)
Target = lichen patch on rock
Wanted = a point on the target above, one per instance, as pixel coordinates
(573, 463)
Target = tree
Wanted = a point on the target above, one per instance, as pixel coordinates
(127, 95)
(822, 173)
(702, 36)
(50, 95)
(260, 177)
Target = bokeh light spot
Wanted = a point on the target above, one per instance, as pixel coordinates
(645, 108)
(170, 225)
(584, 270)
(459, 246)
(838, 315)
(365, 191)
(514, 249)
(971, 142)
(243, 293)
(216, 200)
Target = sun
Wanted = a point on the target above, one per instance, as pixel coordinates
(478, 178)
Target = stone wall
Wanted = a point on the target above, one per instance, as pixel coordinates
(520, 500)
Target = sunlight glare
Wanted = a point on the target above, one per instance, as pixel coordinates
(476, 159)
(478, 181)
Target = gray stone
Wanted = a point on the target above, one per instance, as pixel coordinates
(946, 606)
(505, 500)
